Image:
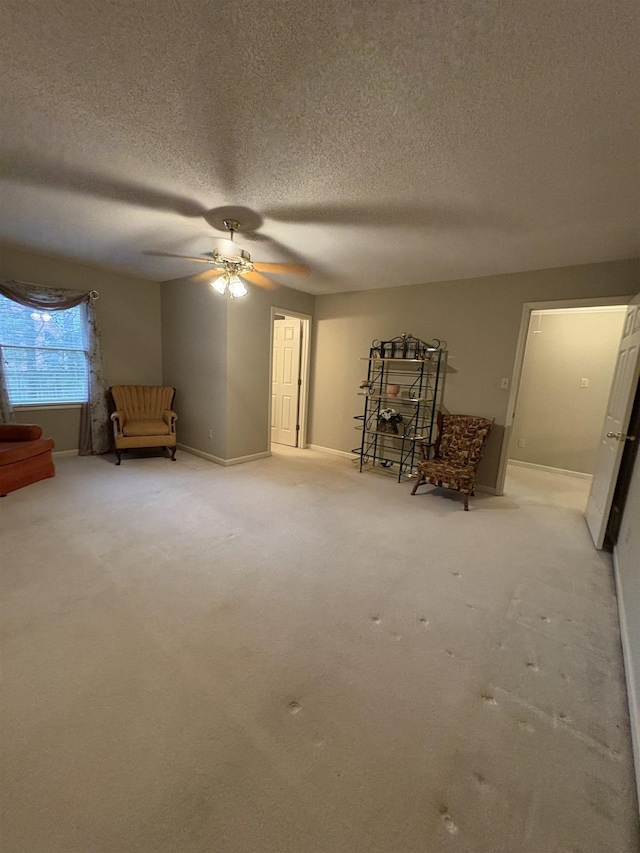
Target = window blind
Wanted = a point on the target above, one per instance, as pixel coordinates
(44, 356)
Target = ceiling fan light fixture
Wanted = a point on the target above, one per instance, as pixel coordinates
(219, 284)
(236, 287)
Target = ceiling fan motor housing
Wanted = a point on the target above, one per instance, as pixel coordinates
(226, 251)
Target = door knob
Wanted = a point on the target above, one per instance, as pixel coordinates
(619, 436)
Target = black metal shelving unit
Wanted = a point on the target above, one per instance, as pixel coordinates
(418, 397)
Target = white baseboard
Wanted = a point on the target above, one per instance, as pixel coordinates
(633, 696)
(75, 452)
(322, 449)
(580, 474)
(238, 460)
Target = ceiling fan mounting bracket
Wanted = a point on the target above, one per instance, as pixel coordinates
(231, 225)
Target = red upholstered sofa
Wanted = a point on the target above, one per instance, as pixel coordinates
(25, 457)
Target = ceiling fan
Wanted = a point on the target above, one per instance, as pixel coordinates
(229, 264)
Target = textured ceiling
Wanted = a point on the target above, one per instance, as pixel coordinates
(381, 143)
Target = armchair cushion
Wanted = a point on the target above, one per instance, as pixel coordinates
(448, 475)
(16, 451)
(147, 426)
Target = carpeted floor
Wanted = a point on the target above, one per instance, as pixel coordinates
(290, 657)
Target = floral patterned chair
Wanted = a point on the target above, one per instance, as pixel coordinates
(457, 453)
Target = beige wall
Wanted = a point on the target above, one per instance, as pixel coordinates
(479, 318)
(216, 353)
(248, 365)
(194, 352)
(558, 420)
(128, 313)
(62, 425)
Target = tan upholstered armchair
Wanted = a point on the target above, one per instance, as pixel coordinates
(143, 417)
(457, 450)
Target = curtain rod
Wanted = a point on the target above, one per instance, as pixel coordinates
(92, 293)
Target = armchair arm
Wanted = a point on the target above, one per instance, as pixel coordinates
(170, 417)
(425, 448)
(20, 432)
(118, 421)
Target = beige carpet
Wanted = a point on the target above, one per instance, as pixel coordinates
(291, 657)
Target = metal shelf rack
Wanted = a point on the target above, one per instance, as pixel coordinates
(415, 371)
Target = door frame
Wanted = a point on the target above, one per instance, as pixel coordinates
(305, 372)
(516, 376)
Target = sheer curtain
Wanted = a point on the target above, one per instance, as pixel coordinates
(95, 436)
(7, 415)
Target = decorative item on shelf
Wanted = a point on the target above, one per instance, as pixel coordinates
(393, 390)
(405, 346)
(366, 385)
(388, 420)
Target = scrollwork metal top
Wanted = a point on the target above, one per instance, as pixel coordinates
(406, 346)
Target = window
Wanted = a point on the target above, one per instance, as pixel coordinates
(44, 354)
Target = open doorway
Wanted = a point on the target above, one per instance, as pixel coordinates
(290, 356)
(561, 387)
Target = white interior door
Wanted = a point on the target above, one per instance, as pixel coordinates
(614, 430)
(285, 380)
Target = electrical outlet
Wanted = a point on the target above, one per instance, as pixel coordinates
(584, 383)
(210, 433)
(521, 442)
(504, 383)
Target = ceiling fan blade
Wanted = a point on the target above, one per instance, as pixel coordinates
(207, 275)
(182, 257)
(300, 269)
(261, 280)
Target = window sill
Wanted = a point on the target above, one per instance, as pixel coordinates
(40, 407)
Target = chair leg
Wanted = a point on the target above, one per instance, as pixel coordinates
(118, 455)
(466, 502)
(173, 453)
(419, 482)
